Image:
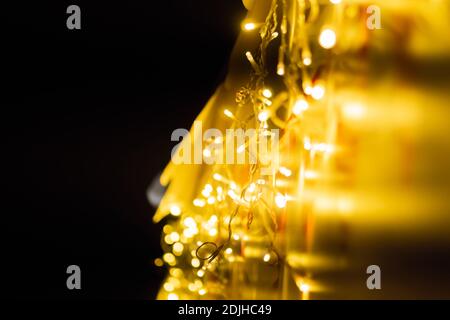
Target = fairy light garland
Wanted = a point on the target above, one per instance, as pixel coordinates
(206, 239)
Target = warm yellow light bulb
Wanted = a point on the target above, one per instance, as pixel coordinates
(304, 288)
(206, 153)
(249, 26)
(280, 200)
(318, 92)
(299, 106)
(266, 257)
(228, 113)
(195, 263)
(199, 203)
(175, 210)
(327, 38)
(263, 116)
(335, 1)
(172, 296)
(307, 61)
(267, 93)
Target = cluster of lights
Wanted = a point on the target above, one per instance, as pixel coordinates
(208, 219)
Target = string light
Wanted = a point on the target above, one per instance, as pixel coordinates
(267, 93)
(327, 38)
(299, 106)
(230, 212)
(249, 26)
(175, 210)
(318, 92)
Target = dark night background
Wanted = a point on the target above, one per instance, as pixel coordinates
(87, 116)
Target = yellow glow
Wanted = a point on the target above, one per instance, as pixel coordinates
(175, 210)
(202, 292)
(168, 286)
(200, 273)
(280, 200)
(304, 288)
(266, 257)
(335, 1)
(280, 69)
(211, 200)
(327, 38)
(308, 90)
(299, 106)
(228, 251)
(307, 61)
(318, 92)
(241, 148)
(174, 236)
(213, 232)
(178, 248)
(249, 26)
(267, 93)
(353, 111)
(285, 171)
(263, 115)
(190, 222)
(158, 262)
(172, 296)
(199, 203)
(195, 263)
(206, 153)
(217, 177)
(228, 113)
(169, 258)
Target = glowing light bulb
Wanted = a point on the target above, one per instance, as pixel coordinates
(174, 236)
(158, 262)
(263, 116)
(190, 223)
(177, 248)
(213, 232)
(175, 210)
(307, 61)
(299, 106)
(280, 200)
(200, 273)
(280, 69)
(228, 113)
(229, 251)
(308, 90)
(208, 187)
(285, 171)
(335, 1)
(266, 257)
(195, 263)
(304, 288)
(217, 177)
(206, 153)
(172, 296)
(267, 93)
(169, 258)
(353, 111)
(318, 92)
(327, 38)
(202, 292)
(211, 200)
(249, 26)
(199, 203)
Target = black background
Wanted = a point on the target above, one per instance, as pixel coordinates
(87, 116)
